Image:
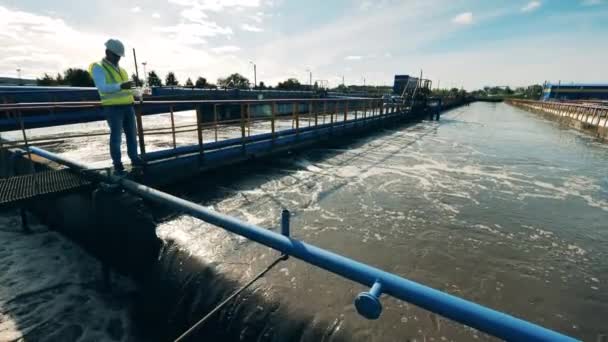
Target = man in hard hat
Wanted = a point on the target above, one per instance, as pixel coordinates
(114, 89)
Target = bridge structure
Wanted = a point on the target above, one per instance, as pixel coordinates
(222, 134)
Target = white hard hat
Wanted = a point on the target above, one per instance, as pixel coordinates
(116, 46)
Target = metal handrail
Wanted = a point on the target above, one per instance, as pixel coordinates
(381, 282)
(95, 104)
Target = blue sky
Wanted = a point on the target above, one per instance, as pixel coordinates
(468, 43)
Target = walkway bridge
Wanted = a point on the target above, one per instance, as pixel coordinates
(253, 128)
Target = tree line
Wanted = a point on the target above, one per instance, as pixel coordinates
(81, 78)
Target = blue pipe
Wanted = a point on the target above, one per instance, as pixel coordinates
(474, 315)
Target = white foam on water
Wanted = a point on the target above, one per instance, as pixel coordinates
(52, 288)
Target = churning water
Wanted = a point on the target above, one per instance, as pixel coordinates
(491, 203)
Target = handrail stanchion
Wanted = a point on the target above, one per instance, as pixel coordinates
(215, 120)
(285, 216)
(199, 129)
(324, 110)
(248, 120)
(309, 112)
(140, 131)
(331, 115)
(296, 117)
(243, 126)
(345, 111)
(173, 127)
(316, 115)
(272, 119)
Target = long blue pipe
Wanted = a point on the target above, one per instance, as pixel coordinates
(474, 315)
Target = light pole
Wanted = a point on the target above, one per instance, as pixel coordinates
(310, 78)
(19, 75)
(255, 76)
(145, 74)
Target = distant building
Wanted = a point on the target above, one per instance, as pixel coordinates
(556, 92)
(12, 81)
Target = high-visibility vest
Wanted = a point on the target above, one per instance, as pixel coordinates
(122, 97)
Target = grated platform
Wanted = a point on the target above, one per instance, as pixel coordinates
(21, 188)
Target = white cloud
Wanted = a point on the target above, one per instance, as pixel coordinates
(531, 6)
(217, 5)
(155, 15)
(353, 58)
(365, 5)
(194, 33)
(465, 18)
(39, 44)
(251, 28)
(226, 49)
(136, 9)
(194, 14)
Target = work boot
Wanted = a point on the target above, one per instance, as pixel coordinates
(119, 170)
(137, 162)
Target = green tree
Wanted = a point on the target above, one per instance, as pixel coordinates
(234, 81)
(534, 91)
(171, 80)
(59, 79)
(189, 83)
(77, 78)
(154, 80)
(46, 80)
(290, 84)
(261, 85)
(201, 82)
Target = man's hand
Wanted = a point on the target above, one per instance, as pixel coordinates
(126, 85)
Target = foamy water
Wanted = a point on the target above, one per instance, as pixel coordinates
(492, 204)
(51, 290)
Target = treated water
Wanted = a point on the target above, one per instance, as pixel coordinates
(491, 203)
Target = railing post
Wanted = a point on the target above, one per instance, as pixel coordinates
(295, 117)
(324, 110)
(215, 120)
(345, 110)
(316, 115)
(273, 116)
(140, 131)
(309, 112)
(173, 128)
(199, 128)
(248, 120)
(243, 126)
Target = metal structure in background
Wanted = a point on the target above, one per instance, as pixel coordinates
(593, 115)
(381, 282)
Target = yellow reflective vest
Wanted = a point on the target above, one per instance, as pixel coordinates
(122, 97)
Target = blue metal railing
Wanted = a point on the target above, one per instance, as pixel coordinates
(381, 282)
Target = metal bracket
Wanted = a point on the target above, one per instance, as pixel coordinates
(285, 215)
(368, 303)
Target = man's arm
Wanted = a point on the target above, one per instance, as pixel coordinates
(99, 78)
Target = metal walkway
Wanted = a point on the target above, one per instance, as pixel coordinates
(15, 190)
